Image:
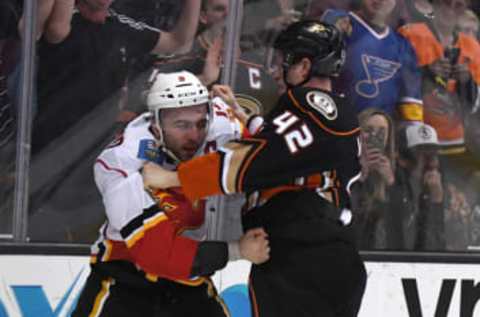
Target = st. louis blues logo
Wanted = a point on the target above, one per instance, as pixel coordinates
(377, 70)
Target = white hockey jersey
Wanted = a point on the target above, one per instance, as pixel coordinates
(132, 214)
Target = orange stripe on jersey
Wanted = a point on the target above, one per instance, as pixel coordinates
(411, 111)
(152, 222)
(194, 174)
(253, 298)
(193, 282)
(318, 122)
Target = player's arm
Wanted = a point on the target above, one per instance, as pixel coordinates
(183, 32)
(153, 239)
(152, 234)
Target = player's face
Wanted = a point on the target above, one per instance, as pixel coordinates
(215, 12)
(184, 130)
(377, 9)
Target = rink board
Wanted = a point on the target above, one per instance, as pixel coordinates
(49, 285)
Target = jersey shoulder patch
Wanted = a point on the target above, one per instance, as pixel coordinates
(331, 112)
(323, 104)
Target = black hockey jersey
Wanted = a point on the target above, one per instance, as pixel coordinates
(310, 139)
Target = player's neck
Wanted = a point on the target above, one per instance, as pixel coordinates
(323, 83)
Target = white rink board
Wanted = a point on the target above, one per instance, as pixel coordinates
(38, 286)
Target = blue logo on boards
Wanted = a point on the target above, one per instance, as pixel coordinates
(32, 301)
(237, 301)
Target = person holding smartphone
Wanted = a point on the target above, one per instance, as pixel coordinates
(377, 161)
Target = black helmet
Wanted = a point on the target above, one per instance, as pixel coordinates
(322, 43)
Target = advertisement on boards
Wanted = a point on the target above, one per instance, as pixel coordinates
(49, 286)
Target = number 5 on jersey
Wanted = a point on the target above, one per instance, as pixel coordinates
(300, 137)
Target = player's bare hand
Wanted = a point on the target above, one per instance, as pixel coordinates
(254, 246)
(156, 177)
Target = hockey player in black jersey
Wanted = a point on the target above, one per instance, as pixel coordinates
(297, 171)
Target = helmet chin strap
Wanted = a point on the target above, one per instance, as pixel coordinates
(159, 135)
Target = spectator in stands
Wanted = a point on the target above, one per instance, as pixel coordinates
(469, 24)
(458, 217)
(419, 196)
(450, 63)
(378, 163)
(213, 14)
(95, 43)
(409, 215)
(473, 198)
(205, 59)
(381, 68)
(424, 7)
(316, 9)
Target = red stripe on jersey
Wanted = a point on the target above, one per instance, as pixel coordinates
(108, 168)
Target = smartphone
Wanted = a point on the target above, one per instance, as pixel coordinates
(376, 141)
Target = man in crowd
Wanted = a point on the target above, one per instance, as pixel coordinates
(143, 264)
(84, 51)
(381, 68)
(297, 170)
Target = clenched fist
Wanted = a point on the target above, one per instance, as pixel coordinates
(254, 246)
(156, 177)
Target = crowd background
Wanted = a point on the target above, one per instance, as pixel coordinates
(413, 71)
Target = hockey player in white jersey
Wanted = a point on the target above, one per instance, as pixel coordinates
(143, 264)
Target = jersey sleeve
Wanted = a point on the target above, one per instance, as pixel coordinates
(410, 107)
(154, 241)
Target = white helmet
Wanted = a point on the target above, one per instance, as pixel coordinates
(174, 90)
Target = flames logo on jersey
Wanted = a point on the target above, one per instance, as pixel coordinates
(377, 70)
